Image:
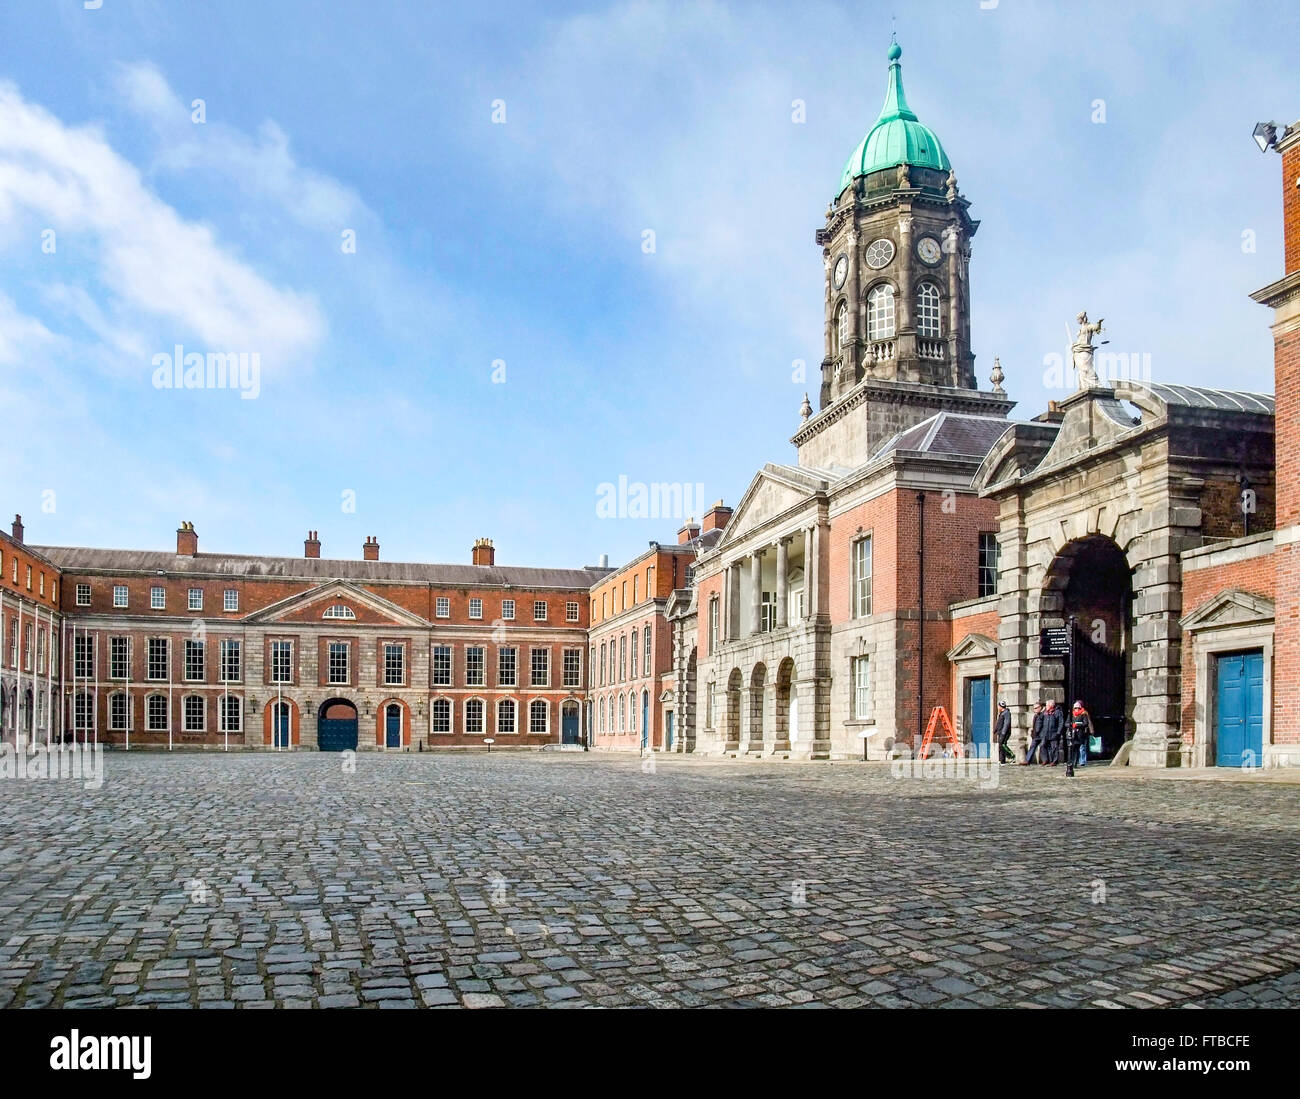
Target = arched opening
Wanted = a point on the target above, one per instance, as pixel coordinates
(757, 685)
(336, 726)
(784, 733)
(1089, 592)
(733, 709)
(690, 709)
(569, 723)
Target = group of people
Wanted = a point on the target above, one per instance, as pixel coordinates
(1048, 742)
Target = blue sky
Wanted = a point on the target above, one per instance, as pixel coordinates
(522, 242)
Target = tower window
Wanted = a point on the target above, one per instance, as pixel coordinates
(841, 327)
(880, 313)
(927, 311)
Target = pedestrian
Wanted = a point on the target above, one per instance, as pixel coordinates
(1053, 732)
(1035, 735)
(1081, 727)
(1003, 732)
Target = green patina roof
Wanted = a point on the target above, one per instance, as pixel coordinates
(896, 137)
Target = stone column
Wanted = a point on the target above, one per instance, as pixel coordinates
(953, 240)
(807, 572)
(756, 592)
(782, 582)
(851, 353)
(812, 572)
(904, 312)
(732, 627)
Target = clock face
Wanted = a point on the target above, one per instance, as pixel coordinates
(879, 253)
(928, 249)
(841, 271)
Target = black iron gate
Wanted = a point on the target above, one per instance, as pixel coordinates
(1096, 675)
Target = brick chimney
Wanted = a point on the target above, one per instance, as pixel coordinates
(484, 553)
(688, 531)
(311, 545)
(18, 528)
(717, 516)
(370, 550)
(187, 540)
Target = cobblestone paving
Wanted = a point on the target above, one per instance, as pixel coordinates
(566, 880)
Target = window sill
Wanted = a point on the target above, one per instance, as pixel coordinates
(856, 721)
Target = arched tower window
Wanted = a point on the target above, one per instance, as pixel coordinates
(841, 328)
(927, 311)
(880, 312)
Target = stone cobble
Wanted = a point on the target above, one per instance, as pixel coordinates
(253, 881)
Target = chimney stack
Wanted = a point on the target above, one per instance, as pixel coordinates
(690, 530)
(187, 540)
(370, 551)
(717, 516)
(484, 554)
(311, 545)
(18, 528)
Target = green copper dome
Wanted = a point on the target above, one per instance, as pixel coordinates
(896, 137)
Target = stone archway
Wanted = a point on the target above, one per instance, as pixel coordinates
(336, 726)
(757, 697)
(1089, 585)
(783, 733)
(734, 682)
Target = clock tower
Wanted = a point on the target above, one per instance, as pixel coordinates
(896, 251)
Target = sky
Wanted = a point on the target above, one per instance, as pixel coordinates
(488, 261)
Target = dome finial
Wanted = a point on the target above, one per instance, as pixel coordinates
(895, 50)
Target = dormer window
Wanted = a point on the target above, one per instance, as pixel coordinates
(339, 610)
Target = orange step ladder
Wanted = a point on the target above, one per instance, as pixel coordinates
(939, 723)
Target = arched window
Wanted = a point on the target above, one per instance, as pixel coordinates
(601, 726)
(927, 311)
(339, 610)
(622, 714)
(474, 716)
(537, 716)
(506, 715)
(841, 330)
(441, 712)
(631, 717)
(880, 312)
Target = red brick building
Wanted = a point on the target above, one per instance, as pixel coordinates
(210, 649)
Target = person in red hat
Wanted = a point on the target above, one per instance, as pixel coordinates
(1081, 730)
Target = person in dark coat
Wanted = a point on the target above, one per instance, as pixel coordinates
(1002, 730)
(1081, 727)
(1035, 736)
(1053, 732)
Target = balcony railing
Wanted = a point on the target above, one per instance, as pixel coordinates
(881, 351)
(930, 349)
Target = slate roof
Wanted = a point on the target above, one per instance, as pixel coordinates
(956, 433)
(318, 568)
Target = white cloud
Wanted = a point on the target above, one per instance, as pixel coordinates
(155, 269)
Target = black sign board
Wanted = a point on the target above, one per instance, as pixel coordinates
(1054, 641)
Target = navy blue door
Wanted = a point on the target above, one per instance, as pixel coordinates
(336, 731)
(977, 710)
(569, 725)
(1239, 727)
(645, 719)
(393, 727)
(280, 725)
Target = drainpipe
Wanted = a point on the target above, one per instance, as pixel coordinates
(920, 612)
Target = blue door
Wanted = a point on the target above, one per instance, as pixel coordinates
(668, 733)
(569, 725)
(977, 709)
(393, 727)
(645, 719)
(1239, 726)
(336, 731)
(280, 725)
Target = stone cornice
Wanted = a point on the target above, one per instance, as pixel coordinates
(974, 401)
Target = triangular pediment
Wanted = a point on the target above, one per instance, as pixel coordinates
(1232, 607)
(310, 606)
(972, 646)
(774, 491)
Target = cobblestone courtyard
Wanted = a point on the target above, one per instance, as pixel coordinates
(568, 880)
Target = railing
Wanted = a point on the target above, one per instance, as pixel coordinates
(930, 349)
(882, 351)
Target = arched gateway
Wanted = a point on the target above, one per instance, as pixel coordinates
(336, 729)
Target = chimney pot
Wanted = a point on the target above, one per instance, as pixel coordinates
(483, 553)
(18, 528)
(311, 545)
(370, 551)
(717, 517)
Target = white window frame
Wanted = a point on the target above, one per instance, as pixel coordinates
(510, 706)
(434, 720)
(881, 323)
(230, 599)
(929, 312)
(476, 608)
(194, 599)
(434, 654)
(442, 606)
(539, 610)
(121, 595)
(508, 609)
(202, 727)
(546, 717)
(157, 598)
(83, 594)
(572, 612)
